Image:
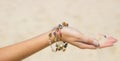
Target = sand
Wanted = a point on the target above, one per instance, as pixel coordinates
(23, 19)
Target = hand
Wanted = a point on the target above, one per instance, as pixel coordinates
(76, 38)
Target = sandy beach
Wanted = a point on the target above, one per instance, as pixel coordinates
(24, 19)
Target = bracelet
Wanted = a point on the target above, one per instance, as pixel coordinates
(59, 44)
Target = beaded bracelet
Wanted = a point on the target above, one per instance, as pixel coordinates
(59, 44)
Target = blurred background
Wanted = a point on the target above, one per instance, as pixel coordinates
(24, 19)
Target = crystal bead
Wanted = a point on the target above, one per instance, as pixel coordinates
(65, 24)
(60, 26)
(50, 35)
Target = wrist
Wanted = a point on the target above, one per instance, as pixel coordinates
(56, 36)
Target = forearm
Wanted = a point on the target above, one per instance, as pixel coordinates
(24, 49)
